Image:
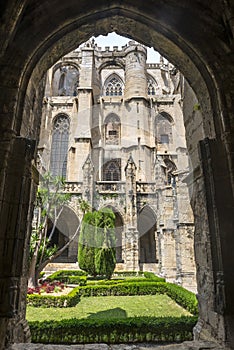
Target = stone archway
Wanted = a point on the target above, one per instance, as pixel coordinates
(65, 229)
(119, 228)
(147, 241)
(195, 37)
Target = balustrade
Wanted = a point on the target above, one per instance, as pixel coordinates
(110, 187)
(145, 187)
(73, 187)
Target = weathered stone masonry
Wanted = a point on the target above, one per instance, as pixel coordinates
(197, 37)
(125, 148)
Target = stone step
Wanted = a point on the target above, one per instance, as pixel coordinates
(193, 345)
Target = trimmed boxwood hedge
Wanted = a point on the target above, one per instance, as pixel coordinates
(140, 329)
(128, 273)
(180, 295)
(40, 300)
(62, 273)
(80, 277)
(69, 276)
(129, 280)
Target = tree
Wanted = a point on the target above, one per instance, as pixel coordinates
(87, 244)
(96, 252)
(50, 203)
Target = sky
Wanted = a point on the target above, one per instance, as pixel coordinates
(113, 39)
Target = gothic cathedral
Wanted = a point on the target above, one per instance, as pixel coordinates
(112, 126)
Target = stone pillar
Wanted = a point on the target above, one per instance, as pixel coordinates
(186, 270)
(88, 169)
(214, 241)
(14, 240)
(135, 70)
(168, 254)
(131, 232)
(159, 251)
(85, 108)
(131, 249)
(130, 173)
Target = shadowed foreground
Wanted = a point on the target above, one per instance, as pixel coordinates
(195, 345)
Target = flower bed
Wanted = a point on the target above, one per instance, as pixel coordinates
(47, 287)
(69, 276)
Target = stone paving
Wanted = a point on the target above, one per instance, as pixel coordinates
(194, 345)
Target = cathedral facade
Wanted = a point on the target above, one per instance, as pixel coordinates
(112, 126)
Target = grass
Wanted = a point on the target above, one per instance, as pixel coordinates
(111, 307)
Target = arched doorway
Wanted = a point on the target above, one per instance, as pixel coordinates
(203, 56)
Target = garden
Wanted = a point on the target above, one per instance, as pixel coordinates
(96, 304)
(129, 307)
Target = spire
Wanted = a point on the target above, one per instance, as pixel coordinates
(88, 164)
(130, 164)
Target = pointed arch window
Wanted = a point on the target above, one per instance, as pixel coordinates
(113, 86)
(163, 126)
(59, 146)
(61, 81)
(112, 170)
(112, 129)
(152, 86)
(65, 81)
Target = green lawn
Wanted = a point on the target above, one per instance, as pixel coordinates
(111, 307)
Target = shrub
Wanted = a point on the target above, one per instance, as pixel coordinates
(64, 273)
(152, 276)
(180, 295)
(71, 299)
(87, 244)
(97, 237)
(79, 280)
(183, 297)
(105, 261)
(164, 329)
(128, 273)
(69, 276)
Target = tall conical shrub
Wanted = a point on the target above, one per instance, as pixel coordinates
(87, 245)
(105, 259)
(96, 251)
(105, 262)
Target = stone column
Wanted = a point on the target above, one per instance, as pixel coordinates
(214, 241)
(15, 221)
(88, 169)
(131, 232)
(136, 81)
(186, 270)
(131, 249)
(168, 254)
(82, 133)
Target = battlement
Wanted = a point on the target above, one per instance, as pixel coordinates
(114, 49)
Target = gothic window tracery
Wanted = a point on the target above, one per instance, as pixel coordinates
(163, 128)
(65, 81)
(152, 86)
(112, 129)
(59, 146)
(113, 86)
(112, 170)
(61, 82)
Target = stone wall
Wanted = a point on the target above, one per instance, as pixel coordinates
(198, 37)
